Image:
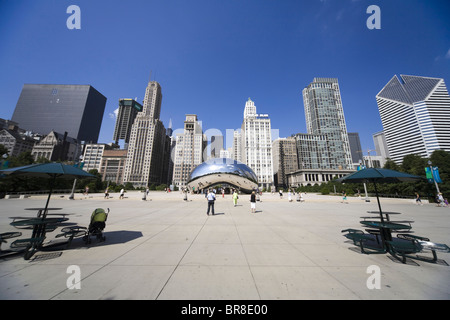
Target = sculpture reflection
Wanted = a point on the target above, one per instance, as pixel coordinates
(223, 170)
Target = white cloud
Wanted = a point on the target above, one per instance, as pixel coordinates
(447, 56)
(114, 115)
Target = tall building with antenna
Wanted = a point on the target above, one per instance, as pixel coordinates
(147, 148)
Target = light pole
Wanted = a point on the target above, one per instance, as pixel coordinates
(435, 183)
(370, 159)
(365, 187)
(72, 194)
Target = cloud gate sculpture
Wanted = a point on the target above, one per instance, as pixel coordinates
(223, 170)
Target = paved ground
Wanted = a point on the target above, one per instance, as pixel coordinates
(168, 249)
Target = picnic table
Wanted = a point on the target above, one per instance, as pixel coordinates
(41, 210)
(386, 213)
(40, 227)
(385, 228)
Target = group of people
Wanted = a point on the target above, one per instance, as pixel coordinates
(290, 194)
(440, 201)
(211, 198)
(121, 194)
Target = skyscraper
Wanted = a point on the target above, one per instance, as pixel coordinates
(257, 144)
(323, 152)
(75, 109)
(146, 150)
(284, 159)
(355, 147)
(128, 110)
(325, 117)
(415, 113)
(381, 148)
(216, 145)
(189, 150)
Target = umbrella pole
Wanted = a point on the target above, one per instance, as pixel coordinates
(52, 182)
(378, 200)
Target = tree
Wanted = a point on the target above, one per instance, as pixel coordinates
(413, 164)
(23, 159)
(441, 159)
(3, 150)
(390, 164)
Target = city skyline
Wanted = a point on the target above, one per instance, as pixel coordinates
(210, 56)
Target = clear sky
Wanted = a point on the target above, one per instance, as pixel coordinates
(210, 56)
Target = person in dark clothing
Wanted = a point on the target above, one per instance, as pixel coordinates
(211, 198)
(253, 202)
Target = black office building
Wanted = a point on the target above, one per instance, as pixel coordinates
(75, 109)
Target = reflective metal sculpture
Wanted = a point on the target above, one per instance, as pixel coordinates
(223, 170)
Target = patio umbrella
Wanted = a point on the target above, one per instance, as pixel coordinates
(378, 175)
(48, 170)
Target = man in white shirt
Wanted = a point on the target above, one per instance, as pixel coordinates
(211, 198)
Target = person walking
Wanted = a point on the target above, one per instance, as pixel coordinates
(418, 201)
(235, 197)
(211, 197)
(107, 193)
(440, 200)
(122, 191)
(253, 202)
(344, 197)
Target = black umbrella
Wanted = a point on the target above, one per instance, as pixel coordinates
(48, 170)
(375, 176)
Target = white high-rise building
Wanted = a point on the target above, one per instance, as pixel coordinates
(146, 149)
(189, 150)
(415, 113)
(237, 150)
(256, 144)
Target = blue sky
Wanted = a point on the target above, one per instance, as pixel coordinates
(210, 56)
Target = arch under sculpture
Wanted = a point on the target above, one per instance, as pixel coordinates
(223, 170)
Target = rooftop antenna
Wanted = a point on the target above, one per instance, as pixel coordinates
(150, 78)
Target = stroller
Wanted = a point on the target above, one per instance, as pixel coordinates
(97, 225)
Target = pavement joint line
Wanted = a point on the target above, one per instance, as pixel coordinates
(245, 254)
(138, 245)
(182, 257)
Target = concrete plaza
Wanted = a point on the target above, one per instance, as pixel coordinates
(165, 248)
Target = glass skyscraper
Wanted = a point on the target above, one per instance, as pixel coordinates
(128, 110)
(415, 113)
(327, 137)
(75, 109)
